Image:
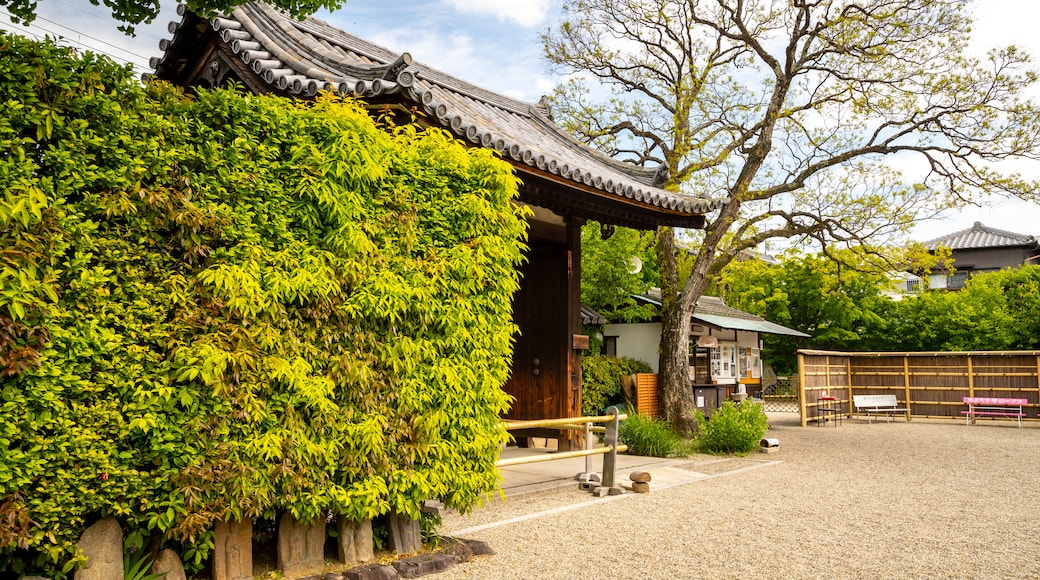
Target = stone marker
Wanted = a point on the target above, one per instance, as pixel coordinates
(640, 477)
(103, 545)
(640, 487)
(167, 562)
(233, 550)
(301, 547)
(405, 537)
(354, 541)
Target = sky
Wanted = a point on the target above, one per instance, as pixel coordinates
(495, 44)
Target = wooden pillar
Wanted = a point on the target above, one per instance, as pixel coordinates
(848, 381)
(569, 440)
(801, 388)
(906, 385)
(971, 378)
(1038, 380)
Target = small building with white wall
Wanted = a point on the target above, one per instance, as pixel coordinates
(725, 344)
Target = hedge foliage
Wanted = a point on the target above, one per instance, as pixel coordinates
(225, 306)
(601, 378)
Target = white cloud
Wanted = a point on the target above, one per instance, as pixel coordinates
(527, 13)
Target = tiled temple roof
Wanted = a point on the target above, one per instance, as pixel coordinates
(303, 57)
(979, 236)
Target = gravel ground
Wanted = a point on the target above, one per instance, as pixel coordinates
(882, 500)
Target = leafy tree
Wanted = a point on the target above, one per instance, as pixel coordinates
(131, 12)
(841, 307)
(789, 111)
(608, 276)
(994, 311)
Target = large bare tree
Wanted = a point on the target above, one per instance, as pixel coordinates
(838, 121)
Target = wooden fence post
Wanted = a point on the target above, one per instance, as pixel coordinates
(848, 381)
(971, 378)
(801, 388)
(906, 385)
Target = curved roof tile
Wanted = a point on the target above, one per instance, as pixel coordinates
(304, 57)
(980, 236)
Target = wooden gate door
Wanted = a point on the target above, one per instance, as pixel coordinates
(540, 381)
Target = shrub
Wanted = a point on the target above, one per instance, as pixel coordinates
(651, 437)
(231, 306)
(732, 428)
(601, 381)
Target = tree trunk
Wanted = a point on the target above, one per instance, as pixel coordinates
(676, 392)
(673, 371)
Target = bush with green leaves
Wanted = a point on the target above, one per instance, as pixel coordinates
(601, 381)
(732, 428)
(651, 437)
(226, 306)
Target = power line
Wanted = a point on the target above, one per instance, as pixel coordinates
(138, 67)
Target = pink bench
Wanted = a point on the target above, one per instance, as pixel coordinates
(993, 407)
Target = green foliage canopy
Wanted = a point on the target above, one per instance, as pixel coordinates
(220, 307)
(131, 12)
(607, 277)
(994, 311)
(840, 305)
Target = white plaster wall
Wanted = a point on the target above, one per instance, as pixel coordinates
(640, 341)
(747, 339)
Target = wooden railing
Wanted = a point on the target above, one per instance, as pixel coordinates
(609, 450)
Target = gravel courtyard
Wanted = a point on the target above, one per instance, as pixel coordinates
(924, 499)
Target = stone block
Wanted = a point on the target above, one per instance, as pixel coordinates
(233, 550)
(423, 565)
(479, 547)
(372, 572)
(405, 536)
(354, 541)
(301, 547)
(457, 549)
(640, 477)
(640, 487)
(103, 545)
(169, 563)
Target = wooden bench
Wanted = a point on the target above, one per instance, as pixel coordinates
(993, 407)
(878, 405)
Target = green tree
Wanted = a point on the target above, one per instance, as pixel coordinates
(615, 268)
(789, 111)
(131, 12)
(994, 311)
(839, 306)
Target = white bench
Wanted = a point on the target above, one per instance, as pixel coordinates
(878, 405)
(993, 407)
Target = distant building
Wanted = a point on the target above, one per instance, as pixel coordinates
(979, 249)
(725, 343)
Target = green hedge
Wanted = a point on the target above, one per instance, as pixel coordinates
(230, 305)
(601, 381)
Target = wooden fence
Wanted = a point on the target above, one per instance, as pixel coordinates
(930, 384)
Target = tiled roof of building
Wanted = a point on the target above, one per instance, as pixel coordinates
(303, 57)
(980, 236)
(713, 310)
(590, 317)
